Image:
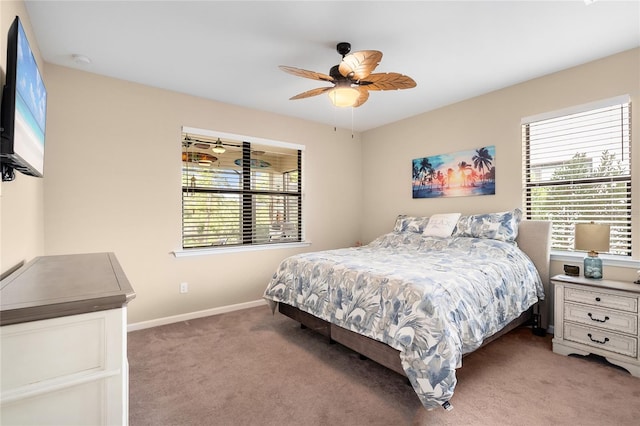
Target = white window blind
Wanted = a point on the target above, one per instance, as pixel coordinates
(250, 194)
(577, 169)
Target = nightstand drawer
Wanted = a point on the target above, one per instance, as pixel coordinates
(601, 339)
(596, 298)
(603, 318)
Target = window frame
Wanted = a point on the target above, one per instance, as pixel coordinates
(197, 251)
(568, 254)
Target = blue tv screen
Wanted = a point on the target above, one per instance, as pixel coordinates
(24, 106)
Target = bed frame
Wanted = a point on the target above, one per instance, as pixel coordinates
(534, 238)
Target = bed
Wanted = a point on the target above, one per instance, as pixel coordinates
(417, 301)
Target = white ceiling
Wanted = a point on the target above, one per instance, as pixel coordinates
(230, 51)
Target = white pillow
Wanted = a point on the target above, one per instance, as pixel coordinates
(441, 225)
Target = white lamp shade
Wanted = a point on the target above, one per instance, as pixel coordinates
(592, 237)
(344, 96)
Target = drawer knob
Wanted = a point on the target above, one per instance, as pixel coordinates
(602, 342)
(606, 318)
(597, 299)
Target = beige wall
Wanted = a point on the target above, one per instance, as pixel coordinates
(113, 184)
(21, 200)
(491, 119)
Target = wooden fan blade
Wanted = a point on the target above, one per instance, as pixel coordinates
(364, 96)
(388, 81)
(312, 92)
(306, 74)
(359, 65)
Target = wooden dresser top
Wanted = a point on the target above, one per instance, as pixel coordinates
(55, 286)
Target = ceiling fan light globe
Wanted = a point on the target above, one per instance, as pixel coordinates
(344, 96)
(218, 149)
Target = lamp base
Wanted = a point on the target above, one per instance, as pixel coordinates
(593, 267)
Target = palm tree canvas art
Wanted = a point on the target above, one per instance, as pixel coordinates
(459, 174)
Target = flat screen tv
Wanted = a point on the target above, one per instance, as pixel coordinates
(24, 108)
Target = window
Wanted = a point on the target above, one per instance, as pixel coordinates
(250, 194)
(577, 169)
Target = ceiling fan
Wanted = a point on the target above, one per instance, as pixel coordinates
(352, 78)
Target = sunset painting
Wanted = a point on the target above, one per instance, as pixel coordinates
(459, 174)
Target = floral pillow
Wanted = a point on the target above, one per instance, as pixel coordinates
(501, 226)
(406, 223)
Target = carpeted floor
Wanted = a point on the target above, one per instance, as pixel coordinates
(253, 368)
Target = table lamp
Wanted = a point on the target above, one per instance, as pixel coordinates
(594, 238)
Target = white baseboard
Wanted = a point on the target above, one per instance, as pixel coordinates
(193, 315)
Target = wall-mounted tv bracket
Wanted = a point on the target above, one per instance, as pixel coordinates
(8, 174)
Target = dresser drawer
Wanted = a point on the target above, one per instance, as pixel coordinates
(605, 300)
(601, 339)
(58, 349)
(594, 316)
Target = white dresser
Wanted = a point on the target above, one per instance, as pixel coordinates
(598, 317)
(64, 342)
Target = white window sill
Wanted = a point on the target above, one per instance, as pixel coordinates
(607, 259)
(237, 249)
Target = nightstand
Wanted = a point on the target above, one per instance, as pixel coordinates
(598, 317)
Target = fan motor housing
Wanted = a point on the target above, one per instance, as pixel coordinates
(343, 48)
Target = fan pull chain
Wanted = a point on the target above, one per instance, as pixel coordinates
(335, 125)
(352, 108)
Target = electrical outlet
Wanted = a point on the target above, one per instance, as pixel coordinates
(184, 287)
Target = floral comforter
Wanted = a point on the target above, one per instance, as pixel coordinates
(432, 299)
